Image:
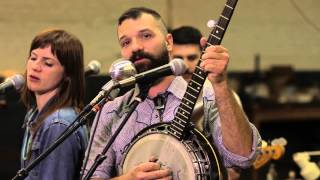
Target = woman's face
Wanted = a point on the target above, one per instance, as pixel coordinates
(44, 71)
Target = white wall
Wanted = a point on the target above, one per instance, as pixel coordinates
(273, 28)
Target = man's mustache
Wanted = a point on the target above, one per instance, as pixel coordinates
(139, 55)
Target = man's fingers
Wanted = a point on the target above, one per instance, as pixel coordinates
(166, 178)
(153, 159)
(160, 174)
(217, 49)
(148, 166)
(203, 42)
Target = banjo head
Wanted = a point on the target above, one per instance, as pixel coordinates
(187, 159)
(168, 150)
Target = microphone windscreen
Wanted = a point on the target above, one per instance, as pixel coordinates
(178, 66)
(17, 81)
(93, 67)
(122, 69)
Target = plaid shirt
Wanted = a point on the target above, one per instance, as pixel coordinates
(147, 114)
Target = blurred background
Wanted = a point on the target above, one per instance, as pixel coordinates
(274, 47)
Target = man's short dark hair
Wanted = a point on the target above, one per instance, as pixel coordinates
(186, 35)
(136, 12)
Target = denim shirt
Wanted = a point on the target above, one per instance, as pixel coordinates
(146, 114)
(65, 161)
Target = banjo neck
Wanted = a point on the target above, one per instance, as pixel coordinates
(181, 122)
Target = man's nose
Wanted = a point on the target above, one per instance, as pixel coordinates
(136, 45)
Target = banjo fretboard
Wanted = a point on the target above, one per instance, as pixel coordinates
(182, 118)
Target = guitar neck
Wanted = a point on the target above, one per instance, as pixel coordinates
(181, 121)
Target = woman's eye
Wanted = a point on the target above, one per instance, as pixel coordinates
(48, 63)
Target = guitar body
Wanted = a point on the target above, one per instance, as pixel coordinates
(189, 159)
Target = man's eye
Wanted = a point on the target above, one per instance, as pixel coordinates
(125, 43)
(147, 36)
(32, 58)
(192, 57)
(178, 57)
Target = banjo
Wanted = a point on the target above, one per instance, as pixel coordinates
(178, 145)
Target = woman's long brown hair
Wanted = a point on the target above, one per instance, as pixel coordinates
(69, 51)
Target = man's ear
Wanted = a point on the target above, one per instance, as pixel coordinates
(169, 42)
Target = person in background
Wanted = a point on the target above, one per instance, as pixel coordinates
(186, 46)
(53, 94)
(144, 39)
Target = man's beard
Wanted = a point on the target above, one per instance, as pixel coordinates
(150, 62)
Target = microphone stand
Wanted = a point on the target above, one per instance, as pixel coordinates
(101, 157)
(80, 120)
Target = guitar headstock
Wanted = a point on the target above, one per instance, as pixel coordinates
(274, 150)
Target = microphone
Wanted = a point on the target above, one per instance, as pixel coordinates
(16, 82)
(174, 67)
(92, 68)
(119, 70)
(122, 69)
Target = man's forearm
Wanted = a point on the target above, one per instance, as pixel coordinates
(236, 130)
